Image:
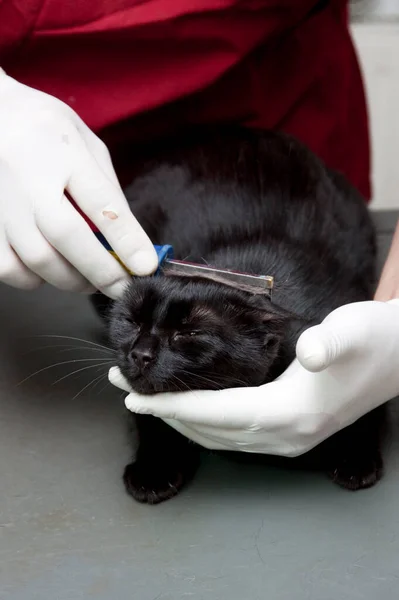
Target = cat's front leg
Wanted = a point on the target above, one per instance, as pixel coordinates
(165, 461)
(354, 454)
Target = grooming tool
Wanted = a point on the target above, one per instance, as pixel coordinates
(255, 284)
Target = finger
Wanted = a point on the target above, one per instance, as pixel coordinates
(211, 441)
(234, 440)
(312, 349)
(42, 259)
(12, 270)
(102, 200)
(268, 406)
(68, 232)
(321, 346)
(116, 378)
(183, 406)
(97, 149)
(214, 437)
(347, 329)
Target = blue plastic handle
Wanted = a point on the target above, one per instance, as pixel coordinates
(163, 253)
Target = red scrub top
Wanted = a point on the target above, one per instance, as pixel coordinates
(133, 69)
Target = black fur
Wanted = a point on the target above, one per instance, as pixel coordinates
(256, 202)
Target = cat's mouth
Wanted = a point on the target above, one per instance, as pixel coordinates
(143, 385)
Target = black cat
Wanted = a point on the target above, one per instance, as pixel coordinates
(257, 202)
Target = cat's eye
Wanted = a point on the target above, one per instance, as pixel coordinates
(131, 321)
(185, 334)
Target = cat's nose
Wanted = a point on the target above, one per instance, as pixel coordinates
(144, 350)
(143, 356)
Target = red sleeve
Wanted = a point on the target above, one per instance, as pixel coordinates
(136, 68)
(92, 54)
(17, 20)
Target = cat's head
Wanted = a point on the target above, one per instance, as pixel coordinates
(177, 333)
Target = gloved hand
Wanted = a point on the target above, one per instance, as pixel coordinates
(345, 367)
(45, 149)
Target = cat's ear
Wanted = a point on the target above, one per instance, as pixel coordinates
(276, 314)
(272, 343)
(270, 312)
(275, 320)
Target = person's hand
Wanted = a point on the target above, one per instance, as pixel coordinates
(45, 151)
(345, 367)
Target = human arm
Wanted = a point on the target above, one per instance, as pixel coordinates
(388, 287)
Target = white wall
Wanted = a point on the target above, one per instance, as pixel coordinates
(378, 49)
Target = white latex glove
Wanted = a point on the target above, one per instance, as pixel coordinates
(345, 367)
(45, 149)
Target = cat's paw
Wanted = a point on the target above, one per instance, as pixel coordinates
(152, 484)
(359, 473)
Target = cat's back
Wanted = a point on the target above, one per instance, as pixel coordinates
(214, 187)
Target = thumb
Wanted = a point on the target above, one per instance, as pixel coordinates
(320, 346)
(346, 329)
(116, 378)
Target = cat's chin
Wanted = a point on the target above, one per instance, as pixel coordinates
(143, 386)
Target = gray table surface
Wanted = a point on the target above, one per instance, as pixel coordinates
(248, 532)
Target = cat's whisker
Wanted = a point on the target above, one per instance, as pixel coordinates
(195, 375)
(64, 362)
(80, 370)
(215, 381)
(178, 387)
(88, 385)
(182, 382)
(69, 337)
(53, 346)
(68, 348)
(231, 380)
(110, 352)
(107, 383)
